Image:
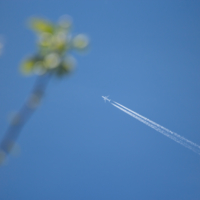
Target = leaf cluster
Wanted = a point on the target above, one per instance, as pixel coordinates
(54, 43)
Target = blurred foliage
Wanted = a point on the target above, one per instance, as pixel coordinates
(54, 43)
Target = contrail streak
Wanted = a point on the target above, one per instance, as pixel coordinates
(174, 136)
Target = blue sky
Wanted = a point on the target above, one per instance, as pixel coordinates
(145, 55)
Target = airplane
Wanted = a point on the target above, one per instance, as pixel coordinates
(106, 98)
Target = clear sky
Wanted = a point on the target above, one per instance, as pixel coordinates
(145, 55)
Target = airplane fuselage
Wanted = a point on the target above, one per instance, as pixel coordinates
(106, 98)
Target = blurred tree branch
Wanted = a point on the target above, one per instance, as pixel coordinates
(55, 41)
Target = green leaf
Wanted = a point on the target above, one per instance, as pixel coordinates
(64, 68)
(27, 67)
(80, 42)
(41, 25)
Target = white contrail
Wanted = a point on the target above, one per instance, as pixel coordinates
(174, 136)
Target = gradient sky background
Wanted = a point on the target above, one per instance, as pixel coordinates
(145, 55)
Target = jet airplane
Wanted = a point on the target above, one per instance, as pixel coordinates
(105, 98)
